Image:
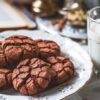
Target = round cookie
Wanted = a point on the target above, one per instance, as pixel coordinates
(48, 48)
(63, 68)
(5, 78)
(31, 76)
(17, 48)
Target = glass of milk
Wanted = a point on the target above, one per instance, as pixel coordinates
(93, 28)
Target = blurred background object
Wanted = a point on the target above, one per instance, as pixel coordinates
(74, 11)
(64, 17)
(72, 5)
(12, 18)
(44, 7)
(70, 21)
(41, 7)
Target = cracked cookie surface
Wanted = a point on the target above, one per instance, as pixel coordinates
(31, 76)
(16, 48)
(48, 48)
(63, 68)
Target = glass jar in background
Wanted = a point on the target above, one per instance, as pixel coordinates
(93, 28)
(70, 5)
(44, 8)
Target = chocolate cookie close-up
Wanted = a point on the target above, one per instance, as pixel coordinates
(16, 48)
(31, 76)
(48, 48)
(63, 68)
(5, 78)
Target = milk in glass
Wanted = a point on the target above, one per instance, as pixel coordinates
(94, 42)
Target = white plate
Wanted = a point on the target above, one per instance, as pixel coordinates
(81, 60)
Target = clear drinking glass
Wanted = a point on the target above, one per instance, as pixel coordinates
(93, 28)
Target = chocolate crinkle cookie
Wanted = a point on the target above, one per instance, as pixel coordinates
(16, 48)
(5, 78)
(63, 68)
(31, 76)
(48, 48)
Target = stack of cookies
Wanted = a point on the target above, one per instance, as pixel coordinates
(31, 66)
